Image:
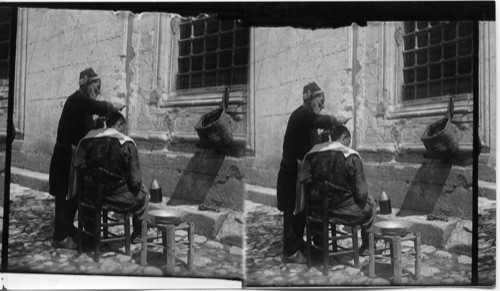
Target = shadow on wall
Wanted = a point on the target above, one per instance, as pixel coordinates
(197, 179)
(425, 189)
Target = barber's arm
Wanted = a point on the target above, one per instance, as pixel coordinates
(135, 175)
(100, 107)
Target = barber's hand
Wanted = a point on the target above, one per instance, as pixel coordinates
(343, 120)
(118, 106)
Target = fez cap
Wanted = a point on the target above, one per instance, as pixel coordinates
(311, 90)
(87, 76)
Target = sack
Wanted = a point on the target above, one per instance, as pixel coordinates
(216, 128)
(442, 137)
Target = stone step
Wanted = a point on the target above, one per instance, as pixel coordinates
(211, 224)
(31, 179)
(262, 195)
(487, 189)
(433, 232)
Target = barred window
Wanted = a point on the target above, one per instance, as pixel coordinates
(212, 53)
(4, 42)
(437, 59)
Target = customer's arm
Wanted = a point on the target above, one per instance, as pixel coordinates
(135, 175)
(355, 168)
(305, 171)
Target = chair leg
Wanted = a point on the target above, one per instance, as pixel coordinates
(334, 236)
(309, 242)
(105, 224)
(417, 256)
(97, 234)
(325, 247)
(80, 229)
(190, 249)
(371, 262)
(355, 246)
(397, 260)
(164, 242)
(126, 221)
(170, 249)
(144, 249)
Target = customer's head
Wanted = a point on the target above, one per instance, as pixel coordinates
(341, 134)
(314, 97)
(90, 83)
(117, 121)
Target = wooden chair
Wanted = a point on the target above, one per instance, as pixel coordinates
(91, 210)
(316, 202)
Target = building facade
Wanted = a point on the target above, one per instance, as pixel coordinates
(392, 78)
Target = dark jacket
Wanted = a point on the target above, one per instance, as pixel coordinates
(122, 178)
(345, 175)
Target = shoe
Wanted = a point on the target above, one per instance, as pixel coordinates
(67, 243)
(296, 258)
(136, 234)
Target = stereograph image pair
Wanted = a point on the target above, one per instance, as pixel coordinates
(211, 145)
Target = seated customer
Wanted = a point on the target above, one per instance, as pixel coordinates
(114, 152)
(342, 167)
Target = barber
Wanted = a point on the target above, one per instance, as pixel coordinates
(300, 136)
(75, 122)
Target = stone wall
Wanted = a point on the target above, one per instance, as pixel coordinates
(58, 44)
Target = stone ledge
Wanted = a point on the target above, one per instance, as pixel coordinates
(31, 179)
(487, 189)
(261, 195)
(206, 223)
(433, 232)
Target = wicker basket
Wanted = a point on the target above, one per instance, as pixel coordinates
(216, 128)
(442, 137)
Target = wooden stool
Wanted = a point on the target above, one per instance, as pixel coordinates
(395, 249)
(167, 242)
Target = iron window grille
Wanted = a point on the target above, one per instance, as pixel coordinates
(212, 53)
(4, 42)
(437, 59)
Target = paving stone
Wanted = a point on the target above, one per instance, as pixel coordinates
(443, 254)
(428, 249)
(380, 282)
(214, 244)
(448, 281)
(153, 271)
(199, 239)
(464, 260)
(352, 271)
(359, 281)
(427, 271)
(123, 258)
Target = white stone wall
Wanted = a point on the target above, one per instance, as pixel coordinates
(286, 59)
(58, 44)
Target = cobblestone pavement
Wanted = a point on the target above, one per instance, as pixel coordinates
(265, 268)
(30, 250)
(487, 241)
